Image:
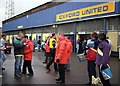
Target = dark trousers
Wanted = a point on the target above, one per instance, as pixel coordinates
(47, 54)
(91, 70)
(34, 48)
(52, 57)
(61, 68)
(104, 82)
(27, 64)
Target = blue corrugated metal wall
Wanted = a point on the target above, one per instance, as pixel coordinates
(48, 16)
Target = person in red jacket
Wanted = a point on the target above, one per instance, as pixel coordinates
(47, 50)
(61, 57)
(28, 48)
(91, 56)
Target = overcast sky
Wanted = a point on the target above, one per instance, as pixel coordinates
(19, 6)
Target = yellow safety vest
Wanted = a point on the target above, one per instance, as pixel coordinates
(52, 41)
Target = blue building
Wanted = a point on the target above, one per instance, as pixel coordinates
(73, 18)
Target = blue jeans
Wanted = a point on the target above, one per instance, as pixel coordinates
(39, 47)
(3, 57)
(18, 63)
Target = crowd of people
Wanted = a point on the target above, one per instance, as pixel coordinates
(58, 50)
(97, 50)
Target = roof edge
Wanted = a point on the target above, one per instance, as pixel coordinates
(33, 10)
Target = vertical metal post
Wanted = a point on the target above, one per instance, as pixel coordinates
(119, 52)
(56, 29)
(24, 31)
(9, 37)
(105, 26)
(12, 39)
(31, 35)
(119, 44)
(75, 37)
(41, 34)
(37, 38)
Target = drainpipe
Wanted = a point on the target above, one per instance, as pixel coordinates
(12, 39)
(31, 35)
(105, 26)
(75, 37)
(42, 34)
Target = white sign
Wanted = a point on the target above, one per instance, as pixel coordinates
(81, 32)
(19, 27)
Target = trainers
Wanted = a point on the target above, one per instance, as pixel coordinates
(48, 68)
(3, 68)
(24, 74)
(58, 79)
(17, 76)
(30, 74)
(1, 76)
(62, 82)
(67, 70)
(44, 62)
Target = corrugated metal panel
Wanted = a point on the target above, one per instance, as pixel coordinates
(37, 30)
(66, 28)
(90, 26)
(12, 33)
(113, 23)
(49, 29)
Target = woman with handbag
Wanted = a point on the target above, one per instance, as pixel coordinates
(103, 57)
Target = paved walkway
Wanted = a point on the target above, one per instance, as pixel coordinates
(77, 75)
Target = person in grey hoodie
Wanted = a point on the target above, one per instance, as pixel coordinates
(103, 57)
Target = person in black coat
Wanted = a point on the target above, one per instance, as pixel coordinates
(80, 43)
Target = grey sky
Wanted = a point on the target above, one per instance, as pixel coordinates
(19, 6)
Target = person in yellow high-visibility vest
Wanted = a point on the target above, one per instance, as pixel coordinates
(52, 45)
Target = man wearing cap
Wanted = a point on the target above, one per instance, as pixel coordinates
(52, 45)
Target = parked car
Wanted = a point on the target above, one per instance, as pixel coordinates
(8, 47)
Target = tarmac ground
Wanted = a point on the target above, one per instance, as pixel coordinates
(77, 74)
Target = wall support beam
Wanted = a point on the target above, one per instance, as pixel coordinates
(74, 37)
(105, 26)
